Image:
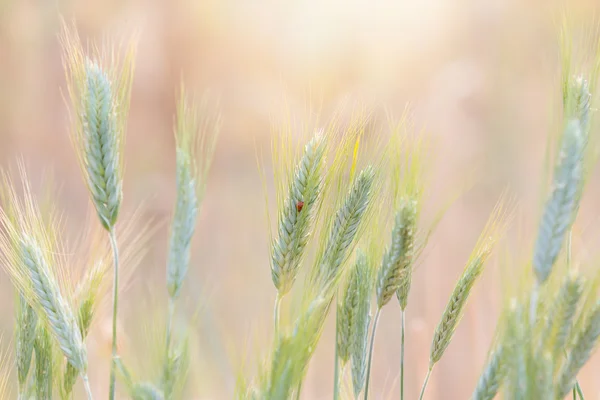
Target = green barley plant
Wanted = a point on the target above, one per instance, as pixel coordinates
(195, 136)
(99, 88)
(458, 299)
(29, 255)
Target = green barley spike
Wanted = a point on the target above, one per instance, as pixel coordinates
(43, 365)
(346, 225)
(101, 146)
(297, 215)
(394, 273)
(25, 337)
(559, 212)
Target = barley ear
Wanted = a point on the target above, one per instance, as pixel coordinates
(25, 330)
(454, 309)
(345, 227)
(195, 136)
(361, 323)
(492, 376)
(560, 209)
(297, 215)
(560, 316)
(43, 364)
(99, 106)
(580, 352)
(346, 310)
(86, 309)
(53, 306)
(395, 272)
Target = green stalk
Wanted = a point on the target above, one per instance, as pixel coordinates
(371, 352)
(113, 243)
(86, 385)
(402, 360)
(578, 390)
(425, 383)
(276, 313)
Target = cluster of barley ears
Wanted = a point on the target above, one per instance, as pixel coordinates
(547, 331)
(349, 236)
(61, 289)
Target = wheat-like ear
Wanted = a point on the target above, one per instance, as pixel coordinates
(560, 209)
(583, 345)
(454, 309)
(560, 316)
(395, 270)
(32, 259)
(491, 378)
(294, 350)
(25, 332)
(196, 130)
(52, 305)
(347, 309)
(345, 227)
(361, 323)
(44, 364)
(297, 214)
(99, 85)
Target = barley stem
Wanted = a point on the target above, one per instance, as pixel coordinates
(86, 385)
(402, 359)
(113, 243)
(276, 312)
(371, 352)
(425, 383)
(577, 389)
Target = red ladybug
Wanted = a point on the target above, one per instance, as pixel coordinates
(299, 205)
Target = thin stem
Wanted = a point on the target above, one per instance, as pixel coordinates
(113, 243)
(579, 391)
(276, 311)
(371, 352)
(402, 360)
(574, 393)
(425, 383)
(86, 385)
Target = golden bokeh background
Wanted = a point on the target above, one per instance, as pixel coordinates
(481, 78)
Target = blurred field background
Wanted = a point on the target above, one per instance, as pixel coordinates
(482, 80)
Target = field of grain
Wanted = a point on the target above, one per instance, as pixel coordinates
(481, 79)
